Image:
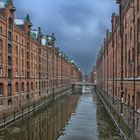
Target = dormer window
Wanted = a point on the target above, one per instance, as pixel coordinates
(28, 34)
(10, 23)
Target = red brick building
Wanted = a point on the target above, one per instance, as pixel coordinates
(118, 63)
(31, 68)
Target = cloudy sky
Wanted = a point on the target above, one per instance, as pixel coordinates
(79, 25)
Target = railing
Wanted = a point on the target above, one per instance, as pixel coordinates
(129, 121)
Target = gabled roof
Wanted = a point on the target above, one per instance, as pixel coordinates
(27, 20)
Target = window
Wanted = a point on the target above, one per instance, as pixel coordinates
(28, 75)
(138, 6)
(9, 61)
(27, 87)
(32, 86)
(22, 52)
(1, 71)
(0, 29)
(16, 50)
(1, 44)
(1, 89)
(22, 42)
(9, 74)
(131, 34)
(133, 54)
(16, 87)
(36, 85)
(10, 23)
(9, 36)
(138, 101)
(16, 38)
(1, 58)
(28, 55)
(16, 61)
(138, 70)
(16, 71)
(9, 90)
(28, 65)
(138, 48)
(138, 26)
(9, 49)
(28, 34)
(129, 56)
(22, 72)
(22, 87)
(125, 23)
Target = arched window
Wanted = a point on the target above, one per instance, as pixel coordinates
(22, 87)
(138, 101)
(16, 50)
(22, 53)
(16, 87)
(32, 86)
(0, 29)
(138, 34)
(131, 34)
(138, 6)
(10, 23)
(1, 44)
(138, 26)
(27, 87)
(36, 85)
(1, 89)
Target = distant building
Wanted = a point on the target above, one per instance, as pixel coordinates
(31, 68)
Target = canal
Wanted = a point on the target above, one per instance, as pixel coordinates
(74, 117)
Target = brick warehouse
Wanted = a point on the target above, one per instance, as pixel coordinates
(31, 67)
(118, 63)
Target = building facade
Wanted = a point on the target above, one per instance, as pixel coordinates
(118, 63)
(31, 67)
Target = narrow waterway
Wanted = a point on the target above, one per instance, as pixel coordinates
(74, 117)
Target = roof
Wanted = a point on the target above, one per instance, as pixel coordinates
(34, 34)
(44, 40)
(19, 21)
(7, 2)
(2, 4)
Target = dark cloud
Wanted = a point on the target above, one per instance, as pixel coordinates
(79, 25)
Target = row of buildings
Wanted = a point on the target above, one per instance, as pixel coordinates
(118, 62)
(31, 67)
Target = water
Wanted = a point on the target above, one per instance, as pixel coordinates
(74, 117)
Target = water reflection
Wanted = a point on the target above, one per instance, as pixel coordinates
(44, 125)
(75, 117)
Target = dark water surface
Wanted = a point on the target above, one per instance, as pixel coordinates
(74, 117)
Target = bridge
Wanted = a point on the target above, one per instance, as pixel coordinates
(84, 83)
(81, 84)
